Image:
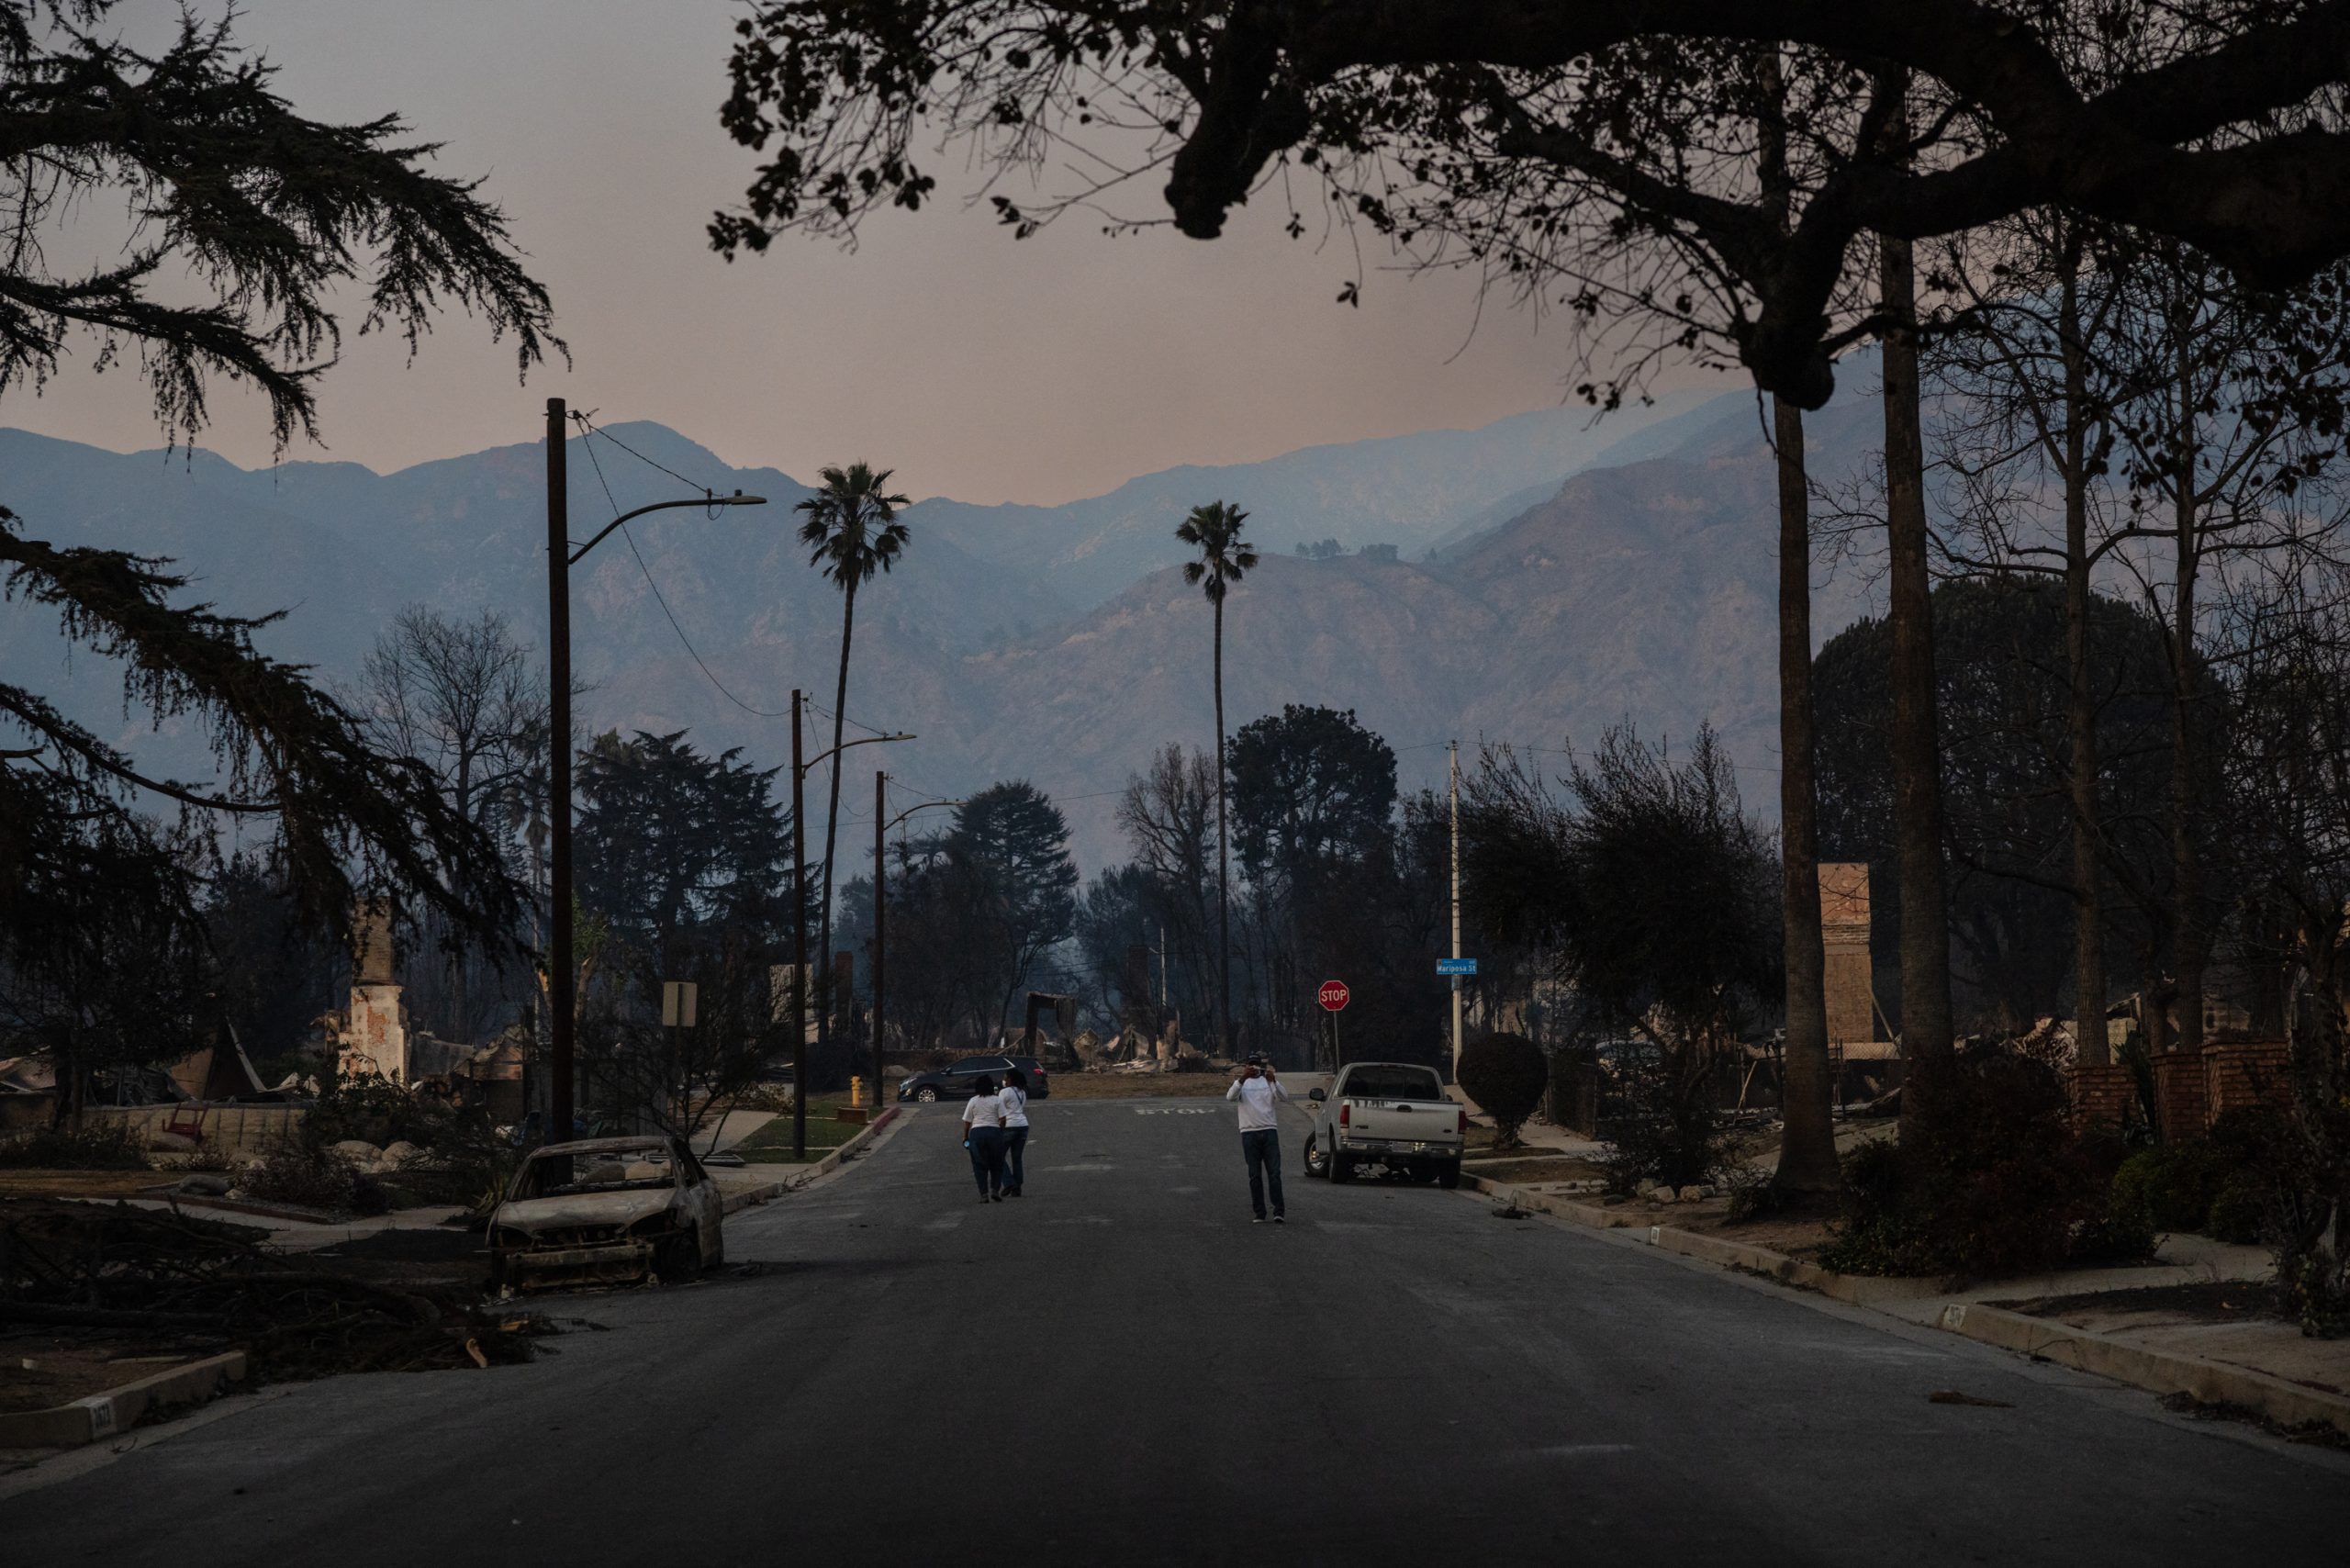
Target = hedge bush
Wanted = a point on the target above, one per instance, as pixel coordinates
(1505, 1075)
(2004, 1188)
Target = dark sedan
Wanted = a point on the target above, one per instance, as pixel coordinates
(955, 1082)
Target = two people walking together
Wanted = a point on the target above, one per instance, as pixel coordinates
(995, 1129)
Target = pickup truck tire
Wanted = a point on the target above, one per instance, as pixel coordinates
(1448, 1175)
(1317, 1160)
(1342, 1165)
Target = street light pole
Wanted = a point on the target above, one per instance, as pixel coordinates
(1456, 908)
(882, 824)
(799, 924)
(799, 943)
(561, 974)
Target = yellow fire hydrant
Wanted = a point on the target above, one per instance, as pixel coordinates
(856, 1092)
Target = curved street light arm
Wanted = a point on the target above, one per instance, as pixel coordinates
(862, 740)
(926, 806)
(737, 499)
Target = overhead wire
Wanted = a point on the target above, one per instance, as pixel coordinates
(658, 597)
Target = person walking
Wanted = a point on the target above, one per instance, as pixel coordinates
(1012, 1102)
(1259, 1093)
(983, 1135)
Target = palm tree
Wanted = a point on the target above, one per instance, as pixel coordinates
(1225, 557)
(851, 530)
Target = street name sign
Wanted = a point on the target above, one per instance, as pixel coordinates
(1332, 994)
(1456, 966)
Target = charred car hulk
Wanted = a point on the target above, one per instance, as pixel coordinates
(607, 1211)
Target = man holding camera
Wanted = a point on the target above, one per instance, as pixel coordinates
(1259, 1093)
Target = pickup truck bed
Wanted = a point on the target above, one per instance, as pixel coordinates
(1391, 1114)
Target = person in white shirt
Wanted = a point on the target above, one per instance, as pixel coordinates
(1259, 1093)
(983, 1135)
(1012, 1099)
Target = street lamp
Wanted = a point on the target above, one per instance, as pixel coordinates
(561, 558)
(882, 823)
(800, 921)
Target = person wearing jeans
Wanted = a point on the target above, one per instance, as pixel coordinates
(1012, 1101)
(1259, 1093)
(983, 1135)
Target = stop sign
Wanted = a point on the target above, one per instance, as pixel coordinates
(1333, 994)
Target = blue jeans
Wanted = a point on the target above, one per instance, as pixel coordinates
(1015, 1143)
(986, 1159)
(1263, 1152)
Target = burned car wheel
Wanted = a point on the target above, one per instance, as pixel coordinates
(677, 1259)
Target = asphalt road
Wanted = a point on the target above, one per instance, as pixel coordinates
(1120, 1369)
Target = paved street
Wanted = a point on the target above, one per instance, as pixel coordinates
(1120, 1369)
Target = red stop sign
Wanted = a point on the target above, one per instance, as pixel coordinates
(1333, 994)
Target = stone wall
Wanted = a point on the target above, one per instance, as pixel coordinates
(225, 1129)
(2103, 1095)
(2247, 1072)
(2180, 1096)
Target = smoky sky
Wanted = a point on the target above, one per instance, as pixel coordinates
(977, 367)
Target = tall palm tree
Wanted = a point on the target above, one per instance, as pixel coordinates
(1225, 557)
(851, 530)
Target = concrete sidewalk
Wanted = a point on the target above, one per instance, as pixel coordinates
(2261, 1367)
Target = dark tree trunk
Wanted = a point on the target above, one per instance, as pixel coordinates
(831, 828)
(2189, 939)
(1926, 1026)
(2088, 903)
(1807, 1150)
(1222, 855)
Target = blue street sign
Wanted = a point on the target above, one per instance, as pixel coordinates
(1456, 966)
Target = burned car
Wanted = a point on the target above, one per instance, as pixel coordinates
(606, 1210)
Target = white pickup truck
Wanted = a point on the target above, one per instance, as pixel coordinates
(1386, 1113)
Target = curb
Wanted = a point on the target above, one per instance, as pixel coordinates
(2162, 1372)
(103, 1415)
(745, 1197)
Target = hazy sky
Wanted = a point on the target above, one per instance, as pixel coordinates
(980, 367)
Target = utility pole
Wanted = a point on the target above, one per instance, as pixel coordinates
(1456, 907)
(798, 944)
(562, 973)
(880, 907)
(560, 970)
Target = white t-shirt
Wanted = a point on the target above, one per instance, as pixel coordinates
(983, 1111)
(1012, 1101)
(1257, 1096)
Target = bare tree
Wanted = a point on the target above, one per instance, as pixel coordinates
(2219, 437)
(466, 701)
(1168, 814)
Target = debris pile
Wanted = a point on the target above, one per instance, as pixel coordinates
(118, 1268)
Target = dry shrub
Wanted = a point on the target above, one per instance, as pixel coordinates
(2000, 1187)
(100, 1146)
(306, 1177)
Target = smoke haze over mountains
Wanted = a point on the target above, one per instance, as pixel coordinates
(1551, 578)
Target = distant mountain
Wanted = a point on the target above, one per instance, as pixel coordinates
(1409, 491)
(1011, 640)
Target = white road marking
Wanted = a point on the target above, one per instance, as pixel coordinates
(1174, 1111)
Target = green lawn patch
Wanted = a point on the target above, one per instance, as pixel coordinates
(771, 1144)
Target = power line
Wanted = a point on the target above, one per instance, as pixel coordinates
(658, 597)
(594, 430)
